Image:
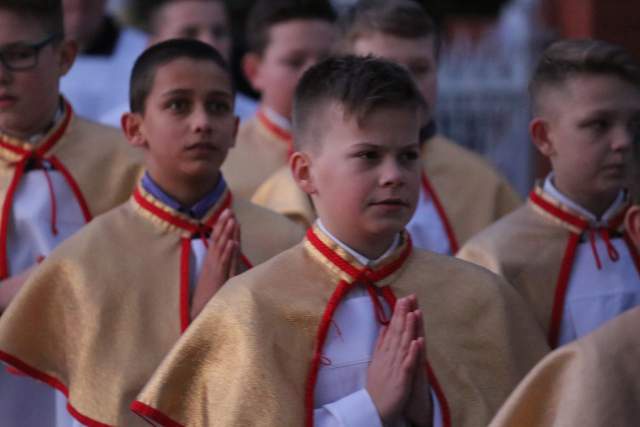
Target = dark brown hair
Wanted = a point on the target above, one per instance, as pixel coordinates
(565, 59)
(147, 64)
(47, 12)
(359, 84)
(155, 7)
(267, 13)
(400, 18)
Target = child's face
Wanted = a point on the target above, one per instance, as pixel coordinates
(587, 130)
(195, 19)
(188, 124)
(365, 177)
(294, 46)
(29, 97)
(417, 55)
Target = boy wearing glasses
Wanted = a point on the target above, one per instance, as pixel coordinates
(57, 171)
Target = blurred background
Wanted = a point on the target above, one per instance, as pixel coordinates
(489, 49)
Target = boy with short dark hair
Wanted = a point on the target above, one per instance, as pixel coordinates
(284, 37)
(352, 326)
(460, 193)
(560, 249)
(57, 170)
(204, 20)
(593, 381)
(99, 314)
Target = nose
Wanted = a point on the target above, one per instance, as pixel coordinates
(392, 173)
(623, 138)
(201, 120)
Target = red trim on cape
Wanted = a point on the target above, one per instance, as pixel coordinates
(185, 251)
(52, 382)
(38, 153)
(430, 193)
(148, 412)
(565, 216)
(323, 329)
(278, 131)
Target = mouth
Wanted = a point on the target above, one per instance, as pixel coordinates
(391, 202)
(201, 146)
(7, 100)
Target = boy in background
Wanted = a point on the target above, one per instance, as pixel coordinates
(57, 170)
(99, 314)
(285, 37)
(204, 20)
(352, 326)
(460, 193)
(568, 242)
(593, 381)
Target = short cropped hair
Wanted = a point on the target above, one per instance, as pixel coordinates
(48, 13)
(358, 84)
(267, 13)
(400, 18)
(147, 64)
(566, 59)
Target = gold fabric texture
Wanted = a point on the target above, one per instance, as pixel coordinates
(257, 154)
(526, 248)
(591, 382)
(104, 309)
(246, 359)
(472, 193)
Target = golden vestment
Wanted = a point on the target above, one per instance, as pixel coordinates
(591, 382)
(534, 249)
(99, 314)
(261, 148)
(253, 355)
(467, 193)
(98, 165)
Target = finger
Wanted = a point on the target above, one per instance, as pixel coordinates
(220, 224)
(226, 259)
(381, 337)
(398, 318)
(411, 361)
(408, 334)
(225, 236)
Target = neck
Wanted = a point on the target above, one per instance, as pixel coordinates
(187, 192)
(371, 247)
(597, 204)
(39, 127)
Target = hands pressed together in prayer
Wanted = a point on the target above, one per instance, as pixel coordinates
(221, 262)
(396, 380)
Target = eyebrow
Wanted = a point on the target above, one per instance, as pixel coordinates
(187, 92)
(367, 144)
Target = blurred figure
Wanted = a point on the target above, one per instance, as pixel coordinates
(204, 20)
(99, 79)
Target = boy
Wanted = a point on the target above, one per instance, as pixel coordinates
(594, 380)
(97, 316)
(460, 194)
(569, 239)
(204, 20)
(98, 82)
(57, 171)
(290, 342)
(284, 38)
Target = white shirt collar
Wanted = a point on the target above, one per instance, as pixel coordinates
(276, 118)
(358, 256)
(551, 189)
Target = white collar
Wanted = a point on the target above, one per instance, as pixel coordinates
(551, 189)
(277, 118)
(358, 256)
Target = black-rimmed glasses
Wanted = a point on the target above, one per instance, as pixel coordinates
(24, 56)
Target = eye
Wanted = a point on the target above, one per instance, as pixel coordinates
(599, 125)
(178, 106)
(294, 62)
(218, 107)
(368, 155)
(409, 156)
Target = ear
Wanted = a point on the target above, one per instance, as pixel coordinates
(132, 126)
(235, 130)
(632, 224)
(251, 68)
(539, 130)
(68, 52)
(300, 164)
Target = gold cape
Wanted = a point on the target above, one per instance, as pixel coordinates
(591, 382)
(471, 194)
(533, 248)
(100, 167)
(98, 315)
(261, 149)
(251, 358)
